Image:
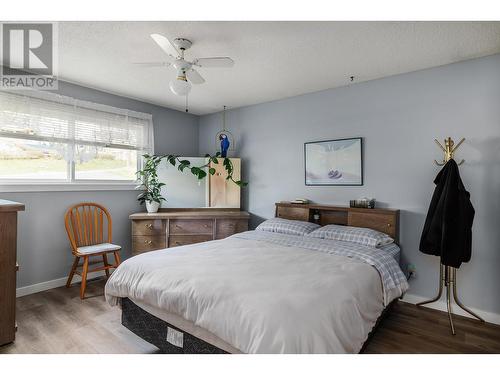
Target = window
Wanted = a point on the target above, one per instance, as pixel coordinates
(51, 138)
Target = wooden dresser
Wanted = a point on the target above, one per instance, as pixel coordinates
(8, 268)
(177, 227)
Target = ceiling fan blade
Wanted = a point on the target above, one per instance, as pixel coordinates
(214, 62)
(165, 45)
(195, 77)
(152, 64)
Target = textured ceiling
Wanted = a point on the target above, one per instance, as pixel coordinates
(273, 60)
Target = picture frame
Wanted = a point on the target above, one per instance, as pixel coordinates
(336, 162)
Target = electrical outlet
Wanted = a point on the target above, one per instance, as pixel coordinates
(412, 270)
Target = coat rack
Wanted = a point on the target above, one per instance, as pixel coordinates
(449, 149)
(448, 274)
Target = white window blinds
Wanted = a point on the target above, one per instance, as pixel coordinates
(54, 118)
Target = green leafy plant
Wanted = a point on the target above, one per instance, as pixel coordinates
(202, 170)
(152, 186)
(149, 183)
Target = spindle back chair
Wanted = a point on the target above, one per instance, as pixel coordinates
(89, 227)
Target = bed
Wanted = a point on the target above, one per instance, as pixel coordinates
(261, 291)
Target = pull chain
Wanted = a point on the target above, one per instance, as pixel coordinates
(224, 119)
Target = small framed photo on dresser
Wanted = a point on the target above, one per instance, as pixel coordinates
(334, 163)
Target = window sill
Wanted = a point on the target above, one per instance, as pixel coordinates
(58, 186)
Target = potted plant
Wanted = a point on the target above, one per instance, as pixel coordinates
(149, 184)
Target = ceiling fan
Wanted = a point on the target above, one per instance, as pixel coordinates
(186, 74)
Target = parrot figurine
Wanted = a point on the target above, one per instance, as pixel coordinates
(224, 145)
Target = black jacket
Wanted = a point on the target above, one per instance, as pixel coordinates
(448, 227)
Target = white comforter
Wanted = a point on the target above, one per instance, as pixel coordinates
(260, 296)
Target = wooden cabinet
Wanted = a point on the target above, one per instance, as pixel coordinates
(227, 227)
(142, 244)
(188, 239)
(148, 227)
(384, 221)
(224, 193)
(191, 226)
(8, 268)
(178, 227)
(293, 213)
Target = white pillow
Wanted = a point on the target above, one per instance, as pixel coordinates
(285, 226)
(363, 236)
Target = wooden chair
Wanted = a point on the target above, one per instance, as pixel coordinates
(86, 224)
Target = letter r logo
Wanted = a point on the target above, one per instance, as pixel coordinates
(27, 48)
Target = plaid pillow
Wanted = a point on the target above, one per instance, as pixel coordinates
(363, 236)
(285, 226)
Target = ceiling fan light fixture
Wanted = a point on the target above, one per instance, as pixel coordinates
(185, 69)
(180, 86)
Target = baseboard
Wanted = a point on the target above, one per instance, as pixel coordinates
(51, 284)
(490, 317)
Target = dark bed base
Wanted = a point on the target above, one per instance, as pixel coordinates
(154, 331)
(377, 323)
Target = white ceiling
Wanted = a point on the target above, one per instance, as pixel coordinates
(273, 60)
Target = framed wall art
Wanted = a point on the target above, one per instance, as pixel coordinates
(335, 162)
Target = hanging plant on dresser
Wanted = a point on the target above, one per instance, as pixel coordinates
(151, 186)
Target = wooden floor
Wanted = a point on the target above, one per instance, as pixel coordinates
(57, 321)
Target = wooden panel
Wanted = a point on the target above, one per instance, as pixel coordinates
(204, 210)
(8, 229)
(228, 227)
(181, 240)
(381, 219)
(191, 226)
(332, 217)
(224, 193)
(293, 212)
(141, 244)
(191, 213)
(10, 206)
(148, 227)
(386, 223)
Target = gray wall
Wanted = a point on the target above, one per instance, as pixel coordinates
(43, 249)
(398, 117)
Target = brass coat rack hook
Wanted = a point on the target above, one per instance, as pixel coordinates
(449, 149)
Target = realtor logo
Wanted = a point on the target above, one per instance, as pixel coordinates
(28, 56)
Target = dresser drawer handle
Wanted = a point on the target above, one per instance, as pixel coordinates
(177, 226)
(389, 225)
(177, 243)
(149, 226)
(148, 242)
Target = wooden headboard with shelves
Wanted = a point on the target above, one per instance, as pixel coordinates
(383, 220)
